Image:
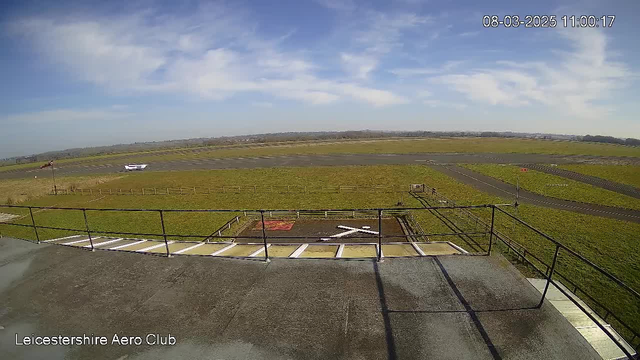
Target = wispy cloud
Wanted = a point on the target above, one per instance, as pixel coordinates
(445, 68)
(574, 82)
(213, 54)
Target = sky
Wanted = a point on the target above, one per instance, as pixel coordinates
(77, 74)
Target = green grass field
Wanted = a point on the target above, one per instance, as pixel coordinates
(609, 243)
(390, 146)
(548, 185)
(624, 174)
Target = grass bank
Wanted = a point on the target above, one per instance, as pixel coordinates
(555, 186)
(624, 174)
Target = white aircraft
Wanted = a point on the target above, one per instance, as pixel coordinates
(132, 167)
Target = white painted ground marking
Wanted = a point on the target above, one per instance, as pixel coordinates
(223, 249)
(340, 250)
(417, 248)
(155, 246)
(259, 251)
(366, 227)
(299, 251)
(350, 230)
(78, 241)
(360, 230)
(62, 238)
(127, 245)
(103, 243)
(189, 248)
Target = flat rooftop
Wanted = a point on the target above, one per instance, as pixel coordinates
(444, 307)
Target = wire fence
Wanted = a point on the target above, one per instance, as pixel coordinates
(304, 189)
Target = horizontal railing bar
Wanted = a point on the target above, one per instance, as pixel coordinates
(250, 210)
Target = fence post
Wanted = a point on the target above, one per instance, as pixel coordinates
(379, 252)
(100, 191)
(142, 191)
(553, 265)
(493, 214)
(167, 191)
(131, 191)
(33, 222)
(194, 191)
(86, 223)
(264, 237)
(164, 233)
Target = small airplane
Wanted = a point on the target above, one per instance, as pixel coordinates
(132, 167)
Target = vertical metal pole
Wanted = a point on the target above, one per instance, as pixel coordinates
(35, 229)
(493, 215)
(553, 265)
(264, 237)
(53, 173)
(379, 235)
(164, 233)
(86, 223)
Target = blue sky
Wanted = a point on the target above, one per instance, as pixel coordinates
(87, 74)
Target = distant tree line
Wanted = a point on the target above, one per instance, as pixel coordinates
(294, 136)
(611, 140)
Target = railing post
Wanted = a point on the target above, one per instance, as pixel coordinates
(493, 215)
(264, 237)
(553, 266)
(33, 222)
(164, 233)
(379, 252)
(86, 224)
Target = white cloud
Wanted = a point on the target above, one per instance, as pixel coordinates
(359, 66)
(576, 82)
(410, 72)
(213, 54)
(338, 5)
(445, 104)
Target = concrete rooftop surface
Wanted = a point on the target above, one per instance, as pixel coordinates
(445, 307)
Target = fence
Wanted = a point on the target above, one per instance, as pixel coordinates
(548, 271)
(239, 189)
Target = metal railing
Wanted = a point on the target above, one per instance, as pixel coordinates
(373, 213)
